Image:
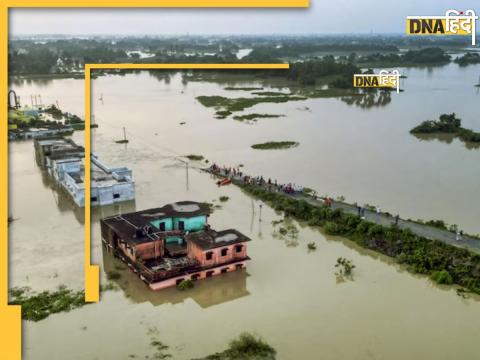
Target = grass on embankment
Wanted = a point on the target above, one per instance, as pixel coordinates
(444, 263)
(275, 145)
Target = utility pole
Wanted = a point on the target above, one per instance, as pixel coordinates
(186, 172)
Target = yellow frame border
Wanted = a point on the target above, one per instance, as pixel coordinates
(92, 272)
(10, 315)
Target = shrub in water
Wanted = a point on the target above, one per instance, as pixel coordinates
(185, 284)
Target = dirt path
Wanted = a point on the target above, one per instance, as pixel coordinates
(426, 231)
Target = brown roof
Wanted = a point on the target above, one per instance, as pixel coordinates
(126, 225)
(210, 239)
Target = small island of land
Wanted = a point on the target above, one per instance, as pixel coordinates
(447, 124)
(275, 145)
(195, 157)
(468, 59)
(246, 347)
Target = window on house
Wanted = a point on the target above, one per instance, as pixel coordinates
(179, 281)
(209, 273)
(162, 226)
(195, 277)
(224, 270)
(116, 196)
(181, 225)
(238, 248)
(93, 198)
(209, 255)
(224, 252)
(238, 266)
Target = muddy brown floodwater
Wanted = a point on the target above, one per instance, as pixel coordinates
(288, 295)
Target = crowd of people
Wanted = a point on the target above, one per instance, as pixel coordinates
(236, 173)
(293, 189)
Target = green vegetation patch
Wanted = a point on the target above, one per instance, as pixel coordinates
(113, 275)
(447, 124)
(38, 306)
(240, 104)
(16, 115)
(245, 347)
(270, 93)
(194, 157)
(54, 111)
(332, 92)
(442, 277)
(344, 266)
(222, 114)
(239, 88)
(419, 254)
(275, 145)
(468, 59)
(423, 57)
(255, 116)
(185, 285)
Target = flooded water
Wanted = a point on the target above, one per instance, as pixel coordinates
(288, 295)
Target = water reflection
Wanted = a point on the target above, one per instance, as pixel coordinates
(40, 82)
(65, 203)
(162, 76)
(446, 139)
(206, 293)
(369, 99)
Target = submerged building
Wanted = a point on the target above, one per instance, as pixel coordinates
(167, 245)
(63, 160)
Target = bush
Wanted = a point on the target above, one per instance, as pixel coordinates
(38, 306)
(332, 228)
(185, 285)
(442, 277)
(421, 255)
(345, 266)
(113, 275)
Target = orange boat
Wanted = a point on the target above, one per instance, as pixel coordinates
(224, 181)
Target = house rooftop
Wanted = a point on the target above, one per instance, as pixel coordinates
(210, 239)
(179, 209)
(127, 224)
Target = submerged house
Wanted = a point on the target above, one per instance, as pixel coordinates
(64, 161)
(173, 243)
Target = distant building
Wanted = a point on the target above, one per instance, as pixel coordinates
(173, 243)
(16, 133)
(63, 160)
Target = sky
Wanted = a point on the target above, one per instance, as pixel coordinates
(323, 17)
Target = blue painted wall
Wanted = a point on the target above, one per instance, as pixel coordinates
(174, 239)
(168, 223)
(191, 224)
(195, 223)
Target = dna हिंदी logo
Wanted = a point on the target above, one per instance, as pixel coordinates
(384, 79)
(452, 23)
